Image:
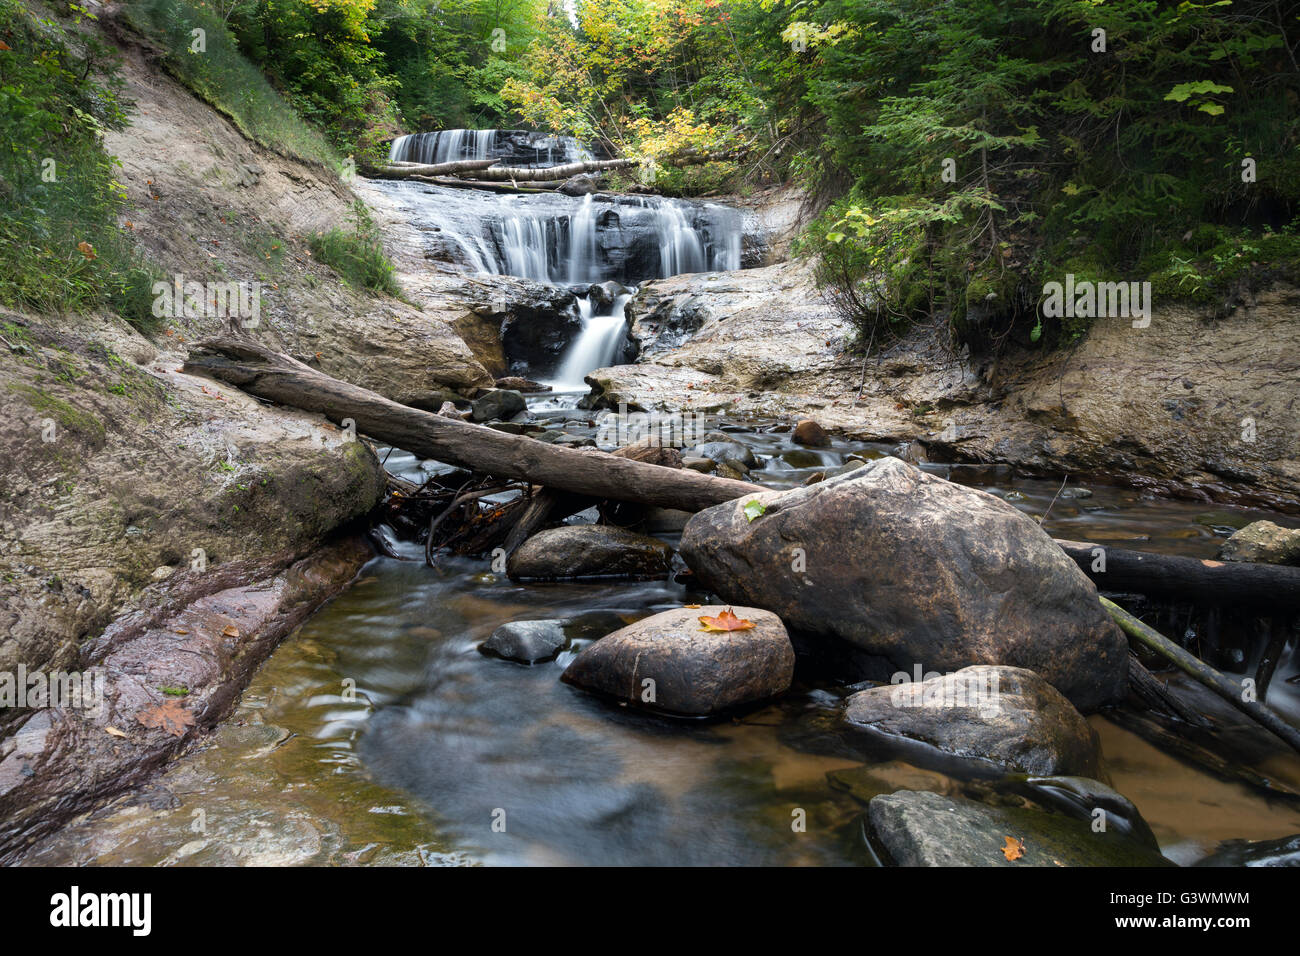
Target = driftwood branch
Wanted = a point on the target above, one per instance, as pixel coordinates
(1225, 687)
(404, 170)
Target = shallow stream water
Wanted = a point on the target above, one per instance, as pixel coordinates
(378, 733)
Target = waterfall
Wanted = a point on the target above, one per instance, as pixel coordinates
(561, 240)
(444, 146)
(595, 345)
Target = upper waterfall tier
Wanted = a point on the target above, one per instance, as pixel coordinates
(513, 147)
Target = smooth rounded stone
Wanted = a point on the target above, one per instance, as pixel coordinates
(669, 663)
(920, 828)
(809, 433)
(589, 551)
(802, 458)
(517, 383)
(497, 403)
(527, 642)
(661, 520)
(726, 471)
(1082, 797)
(1007, 715)
(720, 451)
(433, 400)
(1284, 851)
(705, 465)
(1263, 542)
(918, 570)
(549, 435)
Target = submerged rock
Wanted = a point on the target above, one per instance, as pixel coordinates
(499, 403)
(918, 570)
(669, 663)
(1263, 542)
(1284, 851)
(1082, 797)
(589, 551)
(527, 642)
(919, 828)
(1006, 715)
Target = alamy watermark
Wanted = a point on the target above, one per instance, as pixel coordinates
(189, 299)
(1087, 299)
(72, 690)
(976, 689)
(661, 429)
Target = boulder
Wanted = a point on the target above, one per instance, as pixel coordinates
(1006, 715)
(1082, 797)
(725, 451)
(589, 551)
(497, 403)
(1263, 542)
(527, 642)
(809, 433)
(920, 828)
(918, 570)
(669, 663)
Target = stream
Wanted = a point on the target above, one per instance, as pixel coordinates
(378, 733)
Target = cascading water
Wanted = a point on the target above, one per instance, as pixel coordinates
(511, 147)
(559, 240)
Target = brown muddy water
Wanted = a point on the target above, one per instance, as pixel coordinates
(378, 734)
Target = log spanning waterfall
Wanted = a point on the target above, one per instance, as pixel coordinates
(575, 242)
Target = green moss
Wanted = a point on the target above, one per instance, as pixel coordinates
(79, 422)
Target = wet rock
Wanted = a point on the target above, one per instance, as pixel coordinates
(809, 433)
(726, 471)
(669, 663)
(518, 383)
(722, 451)
(499, 403)
(1263, 542)
(705, 465)
(589, 551)
(919, 828)
(527, 642)
(918, 570)
(434, 399)
(1284, 851)
(1006, 715)
(1082, 797)
(799, 458)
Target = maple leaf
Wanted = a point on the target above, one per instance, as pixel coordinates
(171, 717)
(726, 621)
(1014, 849)
(87, 250)
(754, 509)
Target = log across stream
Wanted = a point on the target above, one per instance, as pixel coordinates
(410, 766)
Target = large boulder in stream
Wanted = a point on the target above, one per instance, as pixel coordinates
(918, 570)
(1005, 715)
(1263, 542)
(668, 662)
(526, 642)
(589, 551)
(920, 828)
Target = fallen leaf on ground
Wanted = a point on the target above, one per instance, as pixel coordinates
(114, 731)
(1014, 849)
(693, 606)
(726, 621)
(754, 509)
(171, 717)
(230, 631)
(87, 250)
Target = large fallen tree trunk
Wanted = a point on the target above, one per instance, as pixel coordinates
(402, 170)
(487, 170)
(270, 375)
(1264, 586)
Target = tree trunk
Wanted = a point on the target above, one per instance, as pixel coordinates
(1204, 582)
(488, 170)
(404, 170)
(278, 378)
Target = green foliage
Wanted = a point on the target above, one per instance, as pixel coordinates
(212, 66)
(357, 255)
(62, 249)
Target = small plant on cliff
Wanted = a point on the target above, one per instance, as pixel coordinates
(357, 255)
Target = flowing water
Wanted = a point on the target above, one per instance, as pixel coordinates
(378, 733)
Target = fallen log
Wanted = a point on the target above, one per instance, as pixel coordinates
(1193, 580)
(1225, 687)
(404, 170)
(279, 378)
(487, 170)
